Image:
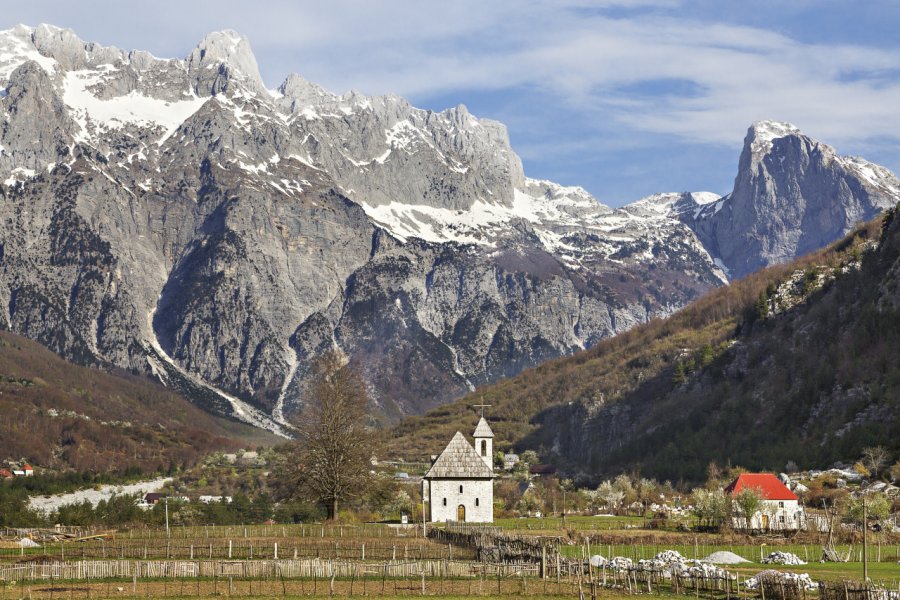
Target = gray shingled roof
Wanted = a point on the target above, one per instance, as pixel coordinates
(459, 461)
(483, 430)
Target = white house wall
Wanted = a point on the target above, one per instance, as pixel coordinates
(782, 515)
(477, 496)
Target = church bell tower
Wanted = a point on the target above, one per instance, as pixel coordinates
(484, 442)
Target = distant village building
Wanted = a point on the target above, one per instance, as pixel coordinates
(780, 508)
(6, 474)
(251, 457)
(153, 498)
(211, 499)
(542, 470)
(459, 486)
(156, 497)
(510, 461)
(25, 470)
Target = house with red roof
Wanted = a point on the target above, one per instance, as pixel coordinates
(780, 509)
(24, 471)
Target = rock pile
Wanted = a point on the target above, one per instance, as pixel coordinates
(708, 571)
(616, 563)
(783, 558)
(667, 563)
(802, 580)
(724, 557)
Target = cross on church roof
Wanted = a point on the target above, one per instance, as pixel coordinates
(482, 407)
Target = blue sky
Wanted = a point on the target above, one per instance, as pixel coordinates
(623, 97)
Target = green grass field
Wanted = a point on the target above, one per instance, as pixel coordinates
(383, 542)
(886, 572)
(752, 552)
(577, 522)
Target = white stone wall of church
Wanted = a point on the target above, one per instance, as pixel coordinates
(448, 489)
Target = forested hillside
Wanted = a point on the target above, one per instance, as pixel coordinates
(796, 362)
(61, 416)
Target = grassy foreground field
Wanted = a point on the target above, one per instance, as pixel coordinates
(884, 574)
(810, 553)
(390, 561)
(554, 525)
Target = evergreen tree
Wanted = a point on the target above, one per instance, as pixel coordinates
(762, 307)
(680, 373)
(706, 355)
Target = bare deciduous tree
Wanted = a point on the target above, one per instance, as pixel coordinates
(895, 472)
(331, 458)
(875, 457)
(714, 476)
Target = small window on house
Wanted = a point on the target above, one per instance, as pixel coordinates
(781, 518)
(476, 502)
(460, 489)
(781, 505)
(445, 502)
(484, 447)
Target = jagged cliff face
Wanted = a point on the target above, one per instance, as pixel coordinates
(792, 195)
(175, 217)
(381, 150)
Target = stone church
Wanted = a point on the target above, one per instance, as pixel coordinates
(459, 486)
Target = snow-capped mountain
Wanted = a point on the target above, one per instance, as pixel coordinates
(792, 195)
(176, 217)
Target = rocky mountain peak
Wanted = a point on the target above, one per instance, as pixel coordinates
(61, 44)
(222, 55)
(792, 194)
(761, 133)
(17, 46)
(36, 133)
(298, 93)
(25, 80)
(58, 49)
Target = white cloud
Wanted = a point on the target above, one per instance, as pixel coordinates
(590, 61)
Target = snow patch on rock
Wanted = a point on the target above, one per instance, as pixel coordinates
(132, 108)
(765, 132)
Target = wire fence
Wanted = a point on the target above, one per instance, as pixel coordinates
(256, 569)
(370, 586)
(86, 579)
(241, 548)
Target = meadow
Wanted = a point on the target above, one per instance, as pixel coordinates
(394, 561)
